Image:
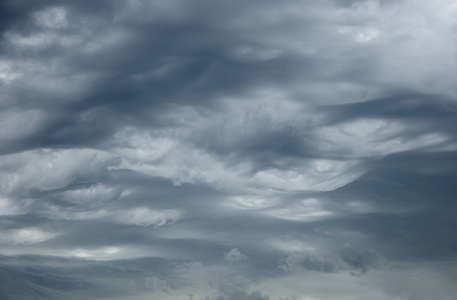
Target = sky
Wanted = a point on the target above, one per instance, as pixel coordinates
(218, 150)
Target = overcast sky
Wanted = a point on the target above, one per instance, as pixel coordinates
(219, 150)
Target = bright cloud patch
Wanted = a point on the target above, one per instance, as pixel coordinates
(25, 236)
(143, 216)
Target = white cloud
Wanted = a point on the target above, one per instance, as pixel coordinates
(8, 73)
(157, 284)
(99, 253)
(251, 202)
(9, 207)
(55, 17)
(48, 169)
(308, 210)
(25, 236)
(93, 195)
(143, 216)
(185, 154)
(367, 138)
(234, 255)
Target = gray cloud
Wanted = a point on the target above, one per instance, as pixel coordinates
(362, 260)
(240, 294)
(160, 149)
(308, 261)
(348, 258)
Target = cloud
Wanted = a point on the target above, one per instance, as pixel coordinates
(363, 259)
(234, 255)
(156, 283)
(309, 261)
(144, 217)
(9, 207)
(357, 261)
(25, 236)
(227, 150)
(241, 294)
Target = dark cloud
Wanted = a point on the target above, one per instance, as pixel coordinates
(226, 150)
(362, 260)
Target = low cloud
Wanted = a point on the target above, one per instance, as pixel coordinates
(157, 284)
(25, 236)
(143, 216)
(227, 149)
(362, 259)
(357, 261)
(241, 295)
(308, 261)
(234, 255)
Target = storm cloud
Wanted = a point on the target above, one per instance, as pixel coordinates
(228, 149)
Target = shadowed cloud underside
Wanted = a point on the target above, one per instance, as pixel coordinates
(218, 150)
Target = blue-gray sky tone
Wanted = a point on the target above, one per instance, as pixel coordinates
(228, 150)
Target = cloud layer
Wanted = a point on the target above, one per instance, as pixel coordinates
(228, 150)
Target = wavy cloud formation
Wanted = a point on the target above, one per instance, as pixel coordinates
(228, 149)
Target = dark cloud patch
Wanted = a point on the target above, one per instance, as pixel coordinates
(88, 129)
(405, 203)
(404, 106)
(357, 261)
(362, 260)
(41, 277)
(15, 13)
(29, 283)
